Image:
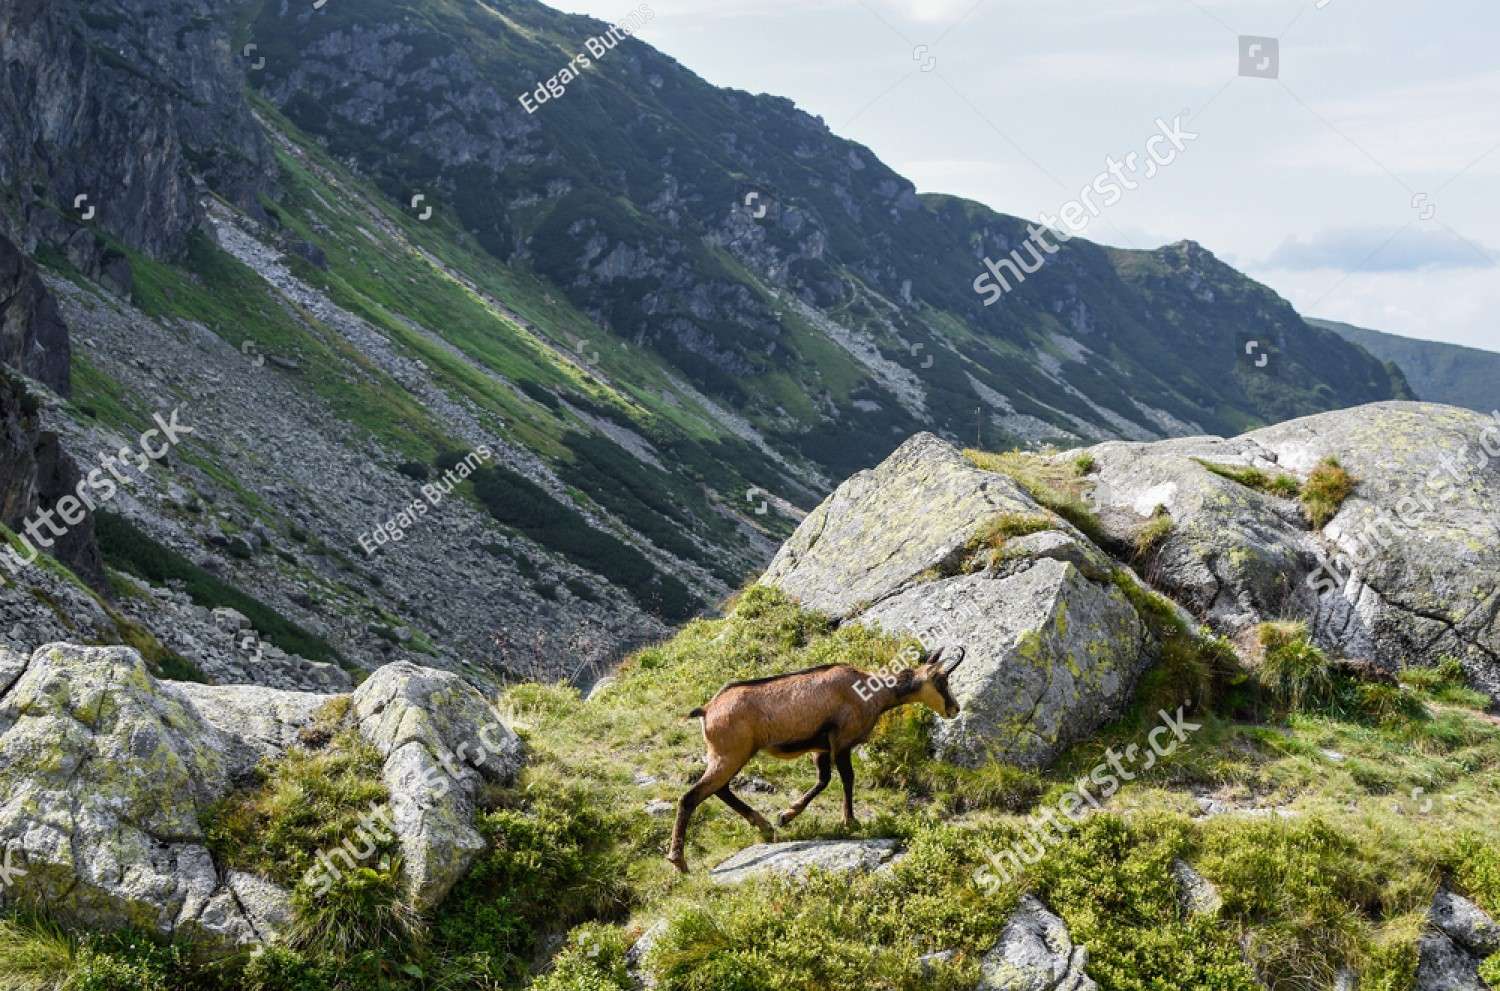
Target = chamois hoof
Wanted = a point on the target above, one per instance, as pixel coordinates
(678, 861)
(786, 817)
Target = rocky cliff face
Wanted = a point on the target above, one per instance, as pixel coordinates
(33, 337)
(126, 104)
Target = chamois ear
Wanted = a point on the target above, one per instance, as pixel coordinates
(954, 661)
(934, 657)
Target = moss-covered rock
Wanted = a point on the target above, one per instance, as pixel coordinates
(108, 776)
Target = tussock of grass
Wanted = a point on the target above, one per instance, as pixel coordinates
(985, 544)
(1084, 464)
(1325, 490)
(1057, 486)
(1283, 485)
(1296, 674)
(35, 955)
(1446, 683)
(1151, 536)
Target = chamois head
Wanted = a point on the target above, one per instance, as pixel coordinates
(929, 682)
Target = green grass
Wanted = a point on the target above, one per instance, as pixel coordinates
(1057, 486)
(1153, 534)
(1283, 485)
(574, 867)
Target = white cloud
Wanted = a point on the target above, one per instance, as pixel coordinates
(1375, 249)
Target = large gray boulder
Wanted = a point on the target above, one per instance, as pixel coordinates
(1054, 647)
(914, 511)
(106, 773)
(1035, 953)
(1052, 656)
(1406, 572)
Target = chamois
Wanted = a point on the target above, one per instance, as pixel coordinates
(824, 711)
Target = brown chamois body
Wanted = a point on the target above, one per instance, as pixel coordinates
(825, 711)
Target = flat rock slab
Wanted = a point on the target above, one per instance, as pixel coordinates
(797, 859)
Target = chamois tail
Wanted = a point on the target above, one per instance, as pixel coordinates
(697, 713)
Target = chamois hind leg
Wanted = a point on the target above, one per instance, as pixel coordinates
(753, 817)
(825, 773)
(717, 775)
(845, 763)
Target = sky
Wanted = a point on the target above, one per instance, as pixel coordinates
(1353, 172)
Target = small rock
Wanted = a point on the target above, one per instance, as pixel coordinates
(1196, 892)
(1035, 953)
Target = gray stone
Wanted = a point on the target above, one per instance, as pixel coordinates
(884, 526)
(106, 774)
(636, 958)
(1450, 953)
(1406, 572)
(441, 742)
(1465, 923)
(1196, 892)
(798, 858)
(1035, 953)
(1051, 657)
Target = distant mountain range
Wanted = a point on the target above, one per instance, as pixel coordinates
(676, 314)
(1437, 372)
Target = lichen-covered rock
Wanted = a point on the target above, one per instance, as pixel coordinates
(1035, 953)
(1406, 572)
(1051, 657)
(1461, 937)
(441, 741)
(1054, 648)
(798, 858)
(106, 774)
(1196, 893)
(916, 510)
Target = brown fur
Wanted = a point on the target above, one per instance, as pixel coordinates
(822, 711)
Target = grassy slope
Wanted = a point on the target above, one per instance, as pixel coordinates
(1377, 809)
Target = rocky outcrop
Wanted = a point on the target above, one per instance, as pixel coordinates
(1054, 648)
(1403, 574)
(1460, 939)
(1035, 953)
(106, 775)
(33, 336)
(798, 858)
(36, 474)
(882, 527)
(124, 106)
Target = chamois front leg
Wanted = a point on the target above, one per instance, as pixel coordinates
(825, 773)
(845, 762)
